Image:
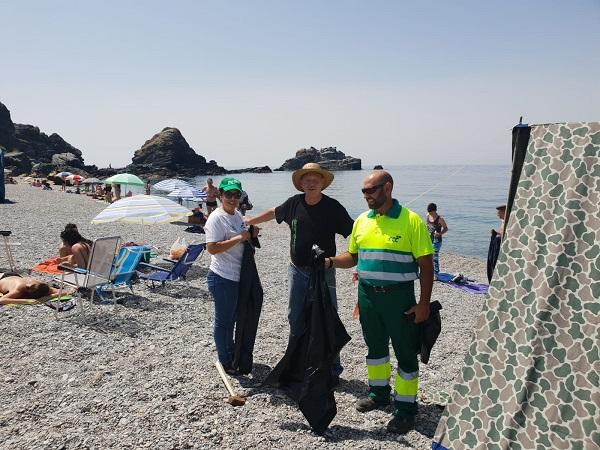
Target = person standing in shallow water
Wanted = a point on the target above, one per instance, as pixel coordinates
(211, 195)
(437, 227)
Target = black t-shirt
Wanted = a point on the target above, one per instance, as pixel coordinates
(316, 224)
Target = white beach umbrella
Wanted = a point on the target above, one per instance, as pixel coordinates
(171, 184)
(63, 174)
(188, 193)
(142, 209)
(91, 180)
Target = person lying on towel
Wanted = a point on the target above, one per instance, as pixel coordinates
(17, 290)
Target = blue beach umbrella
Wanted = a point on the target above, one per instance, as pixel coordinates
(171, 184)
(188, 193)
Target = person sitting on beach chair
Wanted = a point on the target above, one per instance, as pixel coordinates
(75, 249)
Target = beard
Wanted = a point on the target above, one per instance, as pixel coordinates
(376, 202)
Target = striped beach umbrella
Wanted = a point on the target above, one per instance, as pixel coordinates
(188, 193)
(143, 209)
(125, 178)
(171, 184)
(91, 180)
(63, 174)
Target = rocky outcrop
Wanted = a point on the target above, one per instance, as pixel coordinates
(30, 150)
(167, 154)
(7, 129)
(262, 169)
(329, 158)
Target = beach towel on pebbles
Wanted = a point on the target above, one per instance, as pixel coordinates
(530, 378)
(467, 285)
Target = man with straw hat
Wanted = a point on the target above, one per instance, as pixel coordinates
(313, 218)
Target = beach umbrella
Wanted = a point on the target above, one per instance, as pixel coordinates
(63, 174)
(143, 209)
(74, 178)
(125, 178)
(171, 184)
(91, 180)
(188, 193)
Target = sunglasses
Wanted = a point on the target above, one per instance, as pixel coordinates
(232, 194)
(372, 190)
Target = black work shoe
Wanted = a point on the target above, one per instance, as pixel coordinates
(369, 404)
(401, 425)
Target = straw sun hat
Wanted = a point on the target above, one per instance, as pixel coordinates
(311, 168)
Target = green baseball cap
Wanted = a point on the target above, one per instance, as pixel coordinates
(230, 183)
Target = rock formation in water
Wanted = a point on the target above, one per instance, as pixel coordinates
(167, 154)
(329, 158)
(261, 169)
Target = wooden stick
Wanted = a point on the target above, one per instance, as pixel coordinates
(224, 377)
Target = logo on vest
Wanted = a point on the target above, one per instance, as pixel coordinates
(395, 239)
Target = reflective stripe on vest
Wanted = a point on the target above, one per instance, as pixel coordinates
(391, 266)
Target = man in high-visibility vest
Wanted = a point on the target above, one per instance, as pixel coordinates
(392, 248)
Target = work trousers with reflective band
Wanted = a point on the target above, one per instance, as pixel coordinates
(382, 318)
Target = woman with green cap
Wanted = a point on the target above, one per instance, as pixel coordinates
(225, 234)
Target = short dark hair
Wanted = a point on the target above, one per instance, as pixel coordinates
(387, 178)
(501, 208)
(38, 290)
(431, 207)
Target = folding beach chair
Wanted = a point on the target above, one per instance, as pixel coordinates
(98, 271)
(124, 268)
(9, 255)
(179, 269)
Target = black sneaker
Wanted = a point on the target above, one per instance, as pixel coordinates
(401, 425)
(369, 404)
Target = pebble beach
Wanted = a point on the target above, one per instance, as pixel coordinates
(141, 374)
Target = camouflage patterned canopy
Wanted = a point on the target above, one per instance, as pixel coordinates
(531, 375)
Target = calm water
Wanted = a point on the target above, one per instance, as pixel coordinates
(466, 196)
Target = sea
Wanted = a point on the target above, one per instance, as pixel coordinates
(466, 196)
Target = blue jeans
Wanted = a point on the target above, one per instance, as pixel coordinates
(297, 287)
(225, 294)
(437, 245)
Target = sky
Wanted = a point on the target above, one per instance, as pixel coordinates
(248, 83)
